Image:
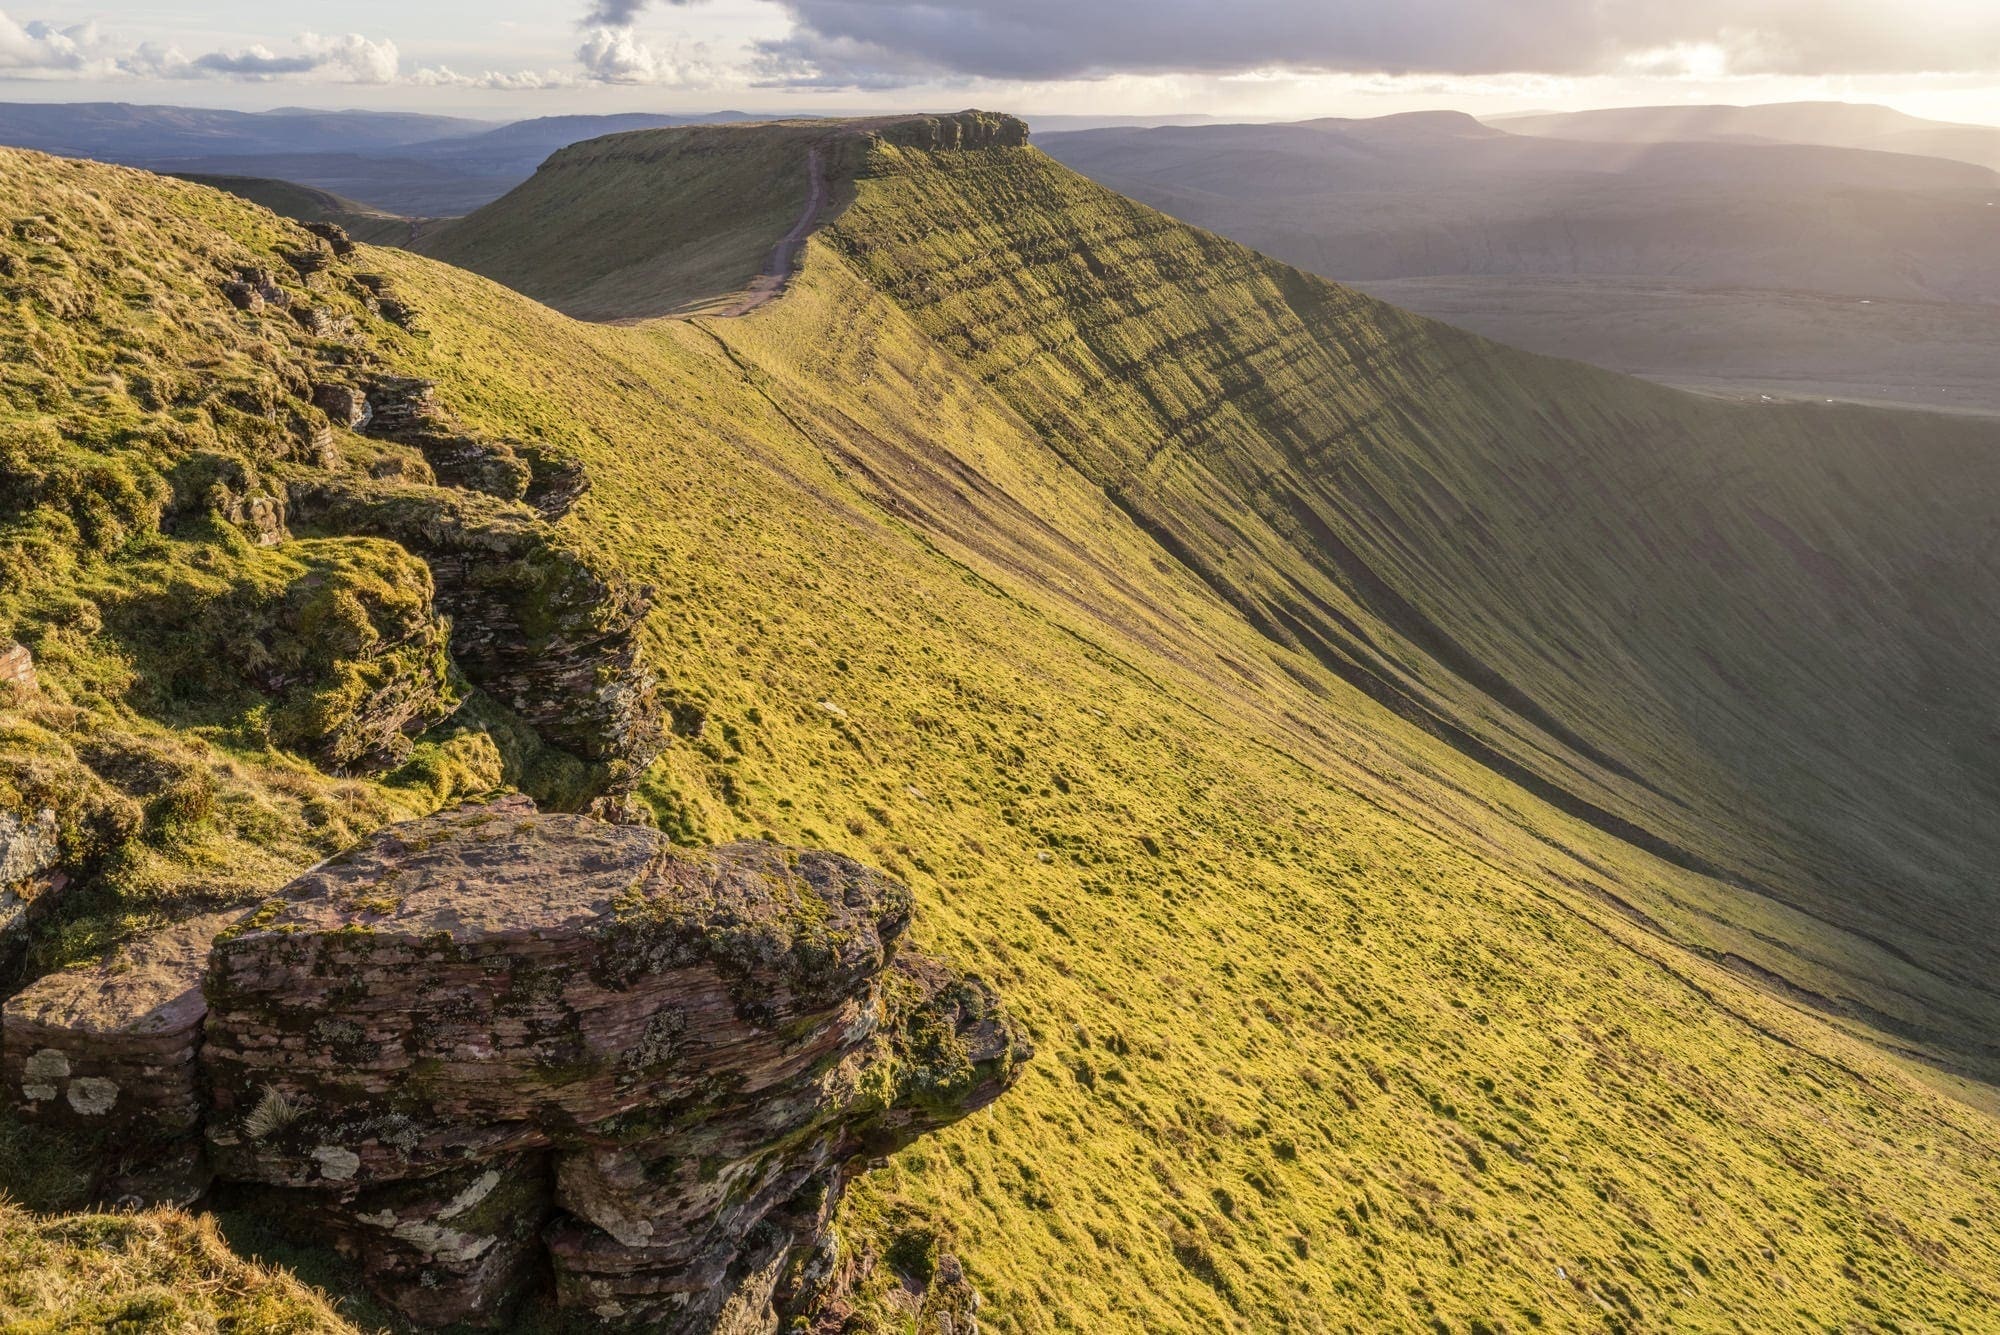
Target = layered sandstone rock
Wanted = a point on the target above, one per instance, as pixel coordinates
(344, 405)
(334, 235)
(109, 1050)
(535, 621)
(499, 1032)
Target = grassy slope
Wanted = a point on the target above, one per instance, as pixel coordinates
(1759, 641)
(970, 739)
(303, 203)
(575, 238)
(1335, 1032)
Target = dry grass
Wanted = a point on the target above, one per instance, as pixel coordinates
(158, 1273)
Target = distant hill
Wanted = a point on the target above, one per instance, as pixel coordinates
(406, 185)
(1842, 124)
(128, 133)
(413, 165)
(1489, 228)
(305, 204)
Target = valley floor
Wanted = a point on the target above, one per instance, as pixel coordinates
(1738, 342)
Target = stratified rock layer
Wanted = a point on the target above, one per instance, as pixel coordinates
(497, 1019)
(110, 1050)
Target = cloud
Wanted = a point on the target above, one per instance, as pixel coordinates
(612, 51)
(36, 48)
(884, 43)
(42, 50)
(615, 13)
(520, 81)
(349, 59)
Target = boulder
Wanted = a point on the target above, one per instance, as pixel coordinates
(498, 1018)
(309, 260)
(334, 235)
(28, 845)
(243, 296)
(266, 284)
(17, 670)
(319, 321)
(30, 848)
(401, 403)
(109, 1049)
(344, 405)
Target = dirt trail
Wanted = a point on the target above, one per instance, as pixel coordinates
(778, 269)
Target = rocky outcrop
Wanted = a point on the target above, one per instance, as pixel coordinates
(385, 302)
(960, 130)
(28, 845)
(255, 288)
(334, 235)
(309, 260)
(672, 1060)
(402, 403)
(498, 1040)
(344, 405)
(30, 849)
(110, 1051)
(557, 479)
(535, 622)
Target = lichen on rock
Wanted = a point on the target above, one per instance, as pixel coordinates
(671, 1059)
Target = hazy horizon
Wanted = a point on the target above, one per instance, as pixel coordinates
(1271, 60)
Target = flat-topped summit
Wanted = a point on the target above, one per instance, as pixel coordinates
(688, 219)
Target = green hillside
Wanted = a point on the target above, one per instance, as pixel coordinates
(304, 203)
(577, 239)
(1469, 835)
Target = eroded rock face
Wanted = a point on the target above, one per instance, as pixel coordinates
(959, 130)
(110, 1051)
(499, 1035)
(534, 621)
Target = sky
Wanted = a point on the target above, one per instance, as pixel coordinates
(1247, 59)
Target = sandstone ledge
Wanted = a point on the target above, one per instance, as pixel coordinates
(499, 1043)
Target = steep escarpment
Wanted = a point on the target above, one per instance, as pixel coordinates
(1336, 1021)
(653, 223)
(1751, 641)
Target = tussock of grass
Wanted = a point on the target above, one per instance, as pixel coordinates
(162, 1271)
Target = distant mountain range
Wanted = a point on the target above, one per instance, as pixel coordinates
(1839, 124)
(416, 165)
(1625, 246)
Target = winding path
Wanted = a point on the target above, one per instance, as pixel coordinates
(778, 269)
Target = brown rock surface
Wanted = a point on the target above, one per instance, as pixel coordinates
(110, 1049)
(674, 1058)
(334, 235)
(402, 403)
(345, 405)
(17, 668)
